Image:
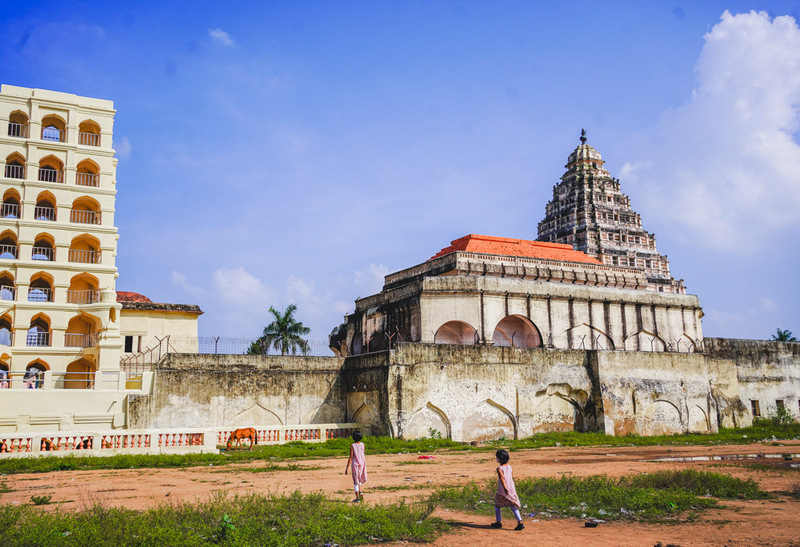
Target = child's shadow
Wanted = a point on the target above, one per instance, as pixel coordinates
(460, 524)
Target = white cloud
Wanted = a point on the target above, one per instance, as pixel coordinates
(236, 287)
(370, 281)
(123, 148)
(220, 37)
(724, 167)
(313, 303)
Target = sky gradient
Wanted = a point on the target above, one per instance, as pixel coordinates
(295, 152)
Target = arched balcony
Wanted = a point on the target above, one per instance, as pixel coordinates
(83, 289)
(45, 207)
(8, 245)
(87, 174)
(80, 374)
(15, 166)
(40, 288)
(54, 128)
(516, 331)
(44, 248)
(82, 332)
(85, 249)
(8, 291)
(39, 331)
(18, 124)
(34, 375)
(456, 332)
(51, 169)
(11, 207)
(89, 133)
(6, 335)
(5, 383)
(85, 210)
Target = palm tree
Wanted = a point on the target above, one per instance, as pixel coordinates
(783, 336)
(284, 334)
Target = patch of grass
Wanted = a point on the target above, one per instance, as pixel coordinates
(5, 489)
(293, 520)
(637, 497)
(795, 491)
(41, 500)
(271, 468)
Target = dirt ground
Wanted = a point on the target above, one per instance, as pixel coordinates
(394, 477)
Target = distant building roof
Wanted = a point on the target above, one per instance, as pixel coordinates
(136, 301)
(516, 247)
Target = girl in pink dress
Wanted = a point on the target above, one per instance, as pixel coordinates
(506, 495)
(359, 462)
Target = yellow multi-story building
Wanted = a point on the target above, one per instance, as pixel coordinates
(59, 318)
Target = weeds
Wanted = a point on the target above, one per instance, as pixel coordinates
(293, 520)
(638, 497)
(41, 500)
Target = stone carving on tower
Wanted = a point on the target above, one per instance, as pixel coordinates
(589, 212)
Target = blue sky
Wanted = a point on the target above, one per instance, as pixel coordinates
(278, 152)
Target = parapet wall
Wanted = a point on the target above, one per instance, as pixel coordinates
(198, 390)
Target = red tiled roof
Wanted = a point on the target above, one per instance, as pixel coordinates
(516, 247)
(124, 296)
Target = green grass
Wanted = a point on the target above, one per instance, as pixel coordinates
(640, 497)
(293, 520)
(386, 445)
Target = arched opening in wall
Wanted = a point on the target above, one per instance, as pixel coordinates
(80, 374)
(457, 333)
(89, 133)
(18, 124)
(585, 336)
(11, 207)
(54, 128)
(6, 335)
(644, 341)
(8, 245)
(4, 373)
(41, 288)
(366, 414)
(15, 166)
(88, 174)
(51, 169)
(45, 207)
(8, 290)
(358, 344)
(516, 331)
(85, 249)
(685, 344)
(39, 331)
(377, 342)
(85, 210)
(82, 331)
(487, 422)
(427, 422)
(83, 289)
(34, 374)
(43, 248)
(661, 418)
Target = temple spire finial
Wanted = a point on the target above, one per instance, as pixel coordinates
(583, 136)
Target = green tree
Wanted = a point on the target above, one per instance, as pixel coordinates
(284, 334)
(783, 336)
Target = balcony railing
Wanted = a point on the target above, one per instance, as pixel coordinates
(40, 294)
(84, 217)
(91, 296)
(15, 171)
(8, 292)
(53, 134)
(73, 340)
(18, 130)
(84, 257)
(44, 213)
(9, 251)
(87, 179)
(43, 253)
(10, 210)
(48, 174)
(38, 339)
(88, 139)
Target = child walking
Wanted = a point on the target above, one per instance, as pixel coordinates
(359, 465)
(506, 495)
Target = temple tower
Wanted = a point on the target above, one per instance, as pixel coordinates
(589, 212)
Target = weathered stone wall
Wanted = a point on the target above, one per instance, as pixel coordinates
(240, 390)
(767, 371)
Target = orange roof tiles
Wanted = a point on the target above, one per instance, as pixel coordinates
(124, 296)
(516, 247)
